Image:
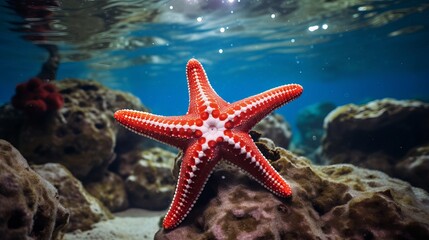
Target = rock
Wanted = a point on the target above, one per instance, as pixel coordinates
(83, 135)
(275, 128)
(29, 205)
(414, 167)
(150, 184)
(310, 126)
(85, 210)
(10, 123)
(376, 135)
(110, 190)
(328, 202)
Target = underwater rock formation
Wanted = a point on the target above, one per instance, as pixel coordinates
(128, 160)
(110, 190)
(150, 183)
(310, 126)
(275, 128)
(85, 210)
(377, 135)
(329, 202)
(29, 205)
(82, 135)
(10, 123)
(414, 167)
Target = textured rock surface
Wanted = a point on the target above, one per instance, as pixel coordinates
(310, 126)
(376, 135)
(150, 183)
(414, 167)
(83, 135)
(29, 205)
(275, 128)
(10, 123)
(85, 210)
(329, 202)
(110, 190)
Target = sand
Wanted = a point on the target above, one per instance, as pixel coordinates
(130, 224)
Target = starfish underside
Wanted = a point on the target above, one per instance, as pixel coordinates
(213, 129)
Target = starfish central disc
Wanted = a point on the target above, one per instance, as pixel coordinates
(213, 129)
(210, 121)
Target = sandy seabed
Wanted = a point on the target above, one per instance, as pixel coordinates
(130, 224)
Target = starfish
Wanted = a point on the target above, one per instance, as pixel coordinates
(213, 129)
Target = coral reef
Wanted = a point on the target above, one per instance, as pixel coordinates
(29, 205)
(110, 190)
(275, 128)
(329, 202)
(377, 135)
(85, 210)
(150, 183)
(82, 135)
(37, 97)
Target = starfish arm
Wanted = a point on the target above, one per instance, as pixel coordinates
(244, 114)
(202, 98)
(243, 153)
(171, 130)
(197, 165)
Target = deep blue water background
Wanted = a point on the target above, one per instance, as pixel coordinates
(342, 66)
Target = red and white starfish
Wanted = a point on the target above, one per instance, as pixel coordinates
(213, 129)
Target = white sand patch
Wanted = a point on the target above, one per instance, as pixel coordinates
(132, 224)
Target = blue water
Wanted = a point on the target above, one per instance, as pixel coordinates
(363, 54)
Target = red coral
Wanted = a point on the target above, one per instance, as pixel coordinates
(37, 97)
